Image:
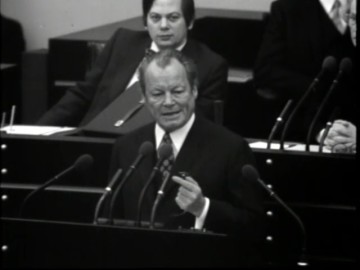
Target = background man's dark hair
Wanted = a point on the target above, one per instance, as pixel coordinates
(163, 59)
(187, 6)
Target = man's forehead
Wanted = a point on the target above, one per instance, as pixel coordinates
(167, 6)
(172, 65)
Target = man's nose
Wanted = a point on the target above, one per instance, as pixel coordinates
(168, 99)
(164, 23)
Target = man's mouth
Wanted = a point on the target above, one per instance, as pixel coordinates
(170, 114)
(165, 37)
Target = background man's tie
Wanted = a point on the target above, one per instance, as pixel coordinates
(336, 16)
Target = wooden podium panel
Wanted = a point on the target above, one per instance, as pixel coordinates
(44, 244)
(320, 188)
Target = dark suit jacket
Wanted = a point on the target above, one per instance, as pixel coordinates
(12, 40)
(214, 157)
(298, 38)
(115, 67)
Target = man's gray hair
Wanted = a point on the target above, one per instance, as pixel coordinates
(163, 59)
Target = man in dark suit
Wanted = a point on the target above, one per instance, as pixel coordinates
(215, 196)
(12, 47)
(167, 23)
(299, 36)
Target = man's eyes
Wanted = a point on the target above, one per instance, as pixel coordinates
(155, 17)
(157, 94)
(171, 17)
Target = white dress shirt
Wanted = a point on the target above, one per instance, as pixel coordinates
(328, 5)
(178, 137)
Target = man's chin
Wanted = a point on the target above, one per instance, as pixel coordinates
(171, 125)
(165, 44)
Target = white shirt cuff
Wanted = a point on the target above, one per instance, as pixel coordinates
(199, 222)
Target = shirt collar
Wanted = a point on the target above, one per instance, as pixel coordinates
(155, 48)
(328, 4)
(177, 136)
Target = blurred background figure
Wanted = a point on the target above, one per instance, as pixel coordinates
(342, 135)
(12, 47)
(300, 34)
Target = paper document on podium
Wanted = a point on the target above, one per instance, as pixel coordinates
(288, 146)
(34, 130)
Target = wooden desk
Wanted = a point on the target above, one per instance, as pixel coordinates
(320, 188)
(49, 244)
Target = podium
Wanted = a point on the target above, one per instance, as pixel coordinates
(47, 244)
(319, 187)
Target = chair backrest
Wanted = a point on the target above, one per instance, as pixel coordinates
(94, 48)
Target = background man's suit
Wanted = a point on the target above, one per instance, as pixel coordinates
(116, 66)
(214, 157)
(298, 38)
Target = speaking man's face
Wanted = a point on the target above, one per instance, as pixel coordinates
(166, 23)
(168, 95)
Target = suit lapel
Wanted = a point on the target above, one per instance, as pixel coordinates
(311, 9)
(128, 65)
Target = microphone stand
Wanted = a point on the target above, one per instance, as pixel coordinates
(160, 195)
(42, 187)
(278, 122)
(327, 128)
(107, 191)
(303, 260)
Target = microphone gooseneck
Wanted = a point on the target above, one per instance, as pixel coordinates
(250, 173)
(278, 122)
(145, 149)
(107, 191)
(81, 165)
(328, 66)
(345, 68)
(159, 196)
(164, 151)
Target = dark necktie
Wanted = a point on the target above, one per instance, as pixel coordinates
(165, 167)
(149, 52)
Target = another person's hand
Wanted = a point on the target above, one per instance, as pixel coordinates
(341, 137)
(189, 197)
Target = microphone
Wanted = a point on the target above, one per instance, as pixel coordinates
(278, 122)
(164, 151)
(82, 164)
(159, 196)
(250, 173)
(329, 124)
(145, 149)
(107, 191)
(329, 65)
(345, 68)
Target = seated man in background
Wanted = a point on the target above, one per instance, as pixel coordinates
(214, 196)
(342, 135)
(167, 23)
(299, 36)
(12, 46)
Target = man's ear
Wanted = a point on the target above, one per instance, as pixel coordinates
(195, 92)
(191, 25)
